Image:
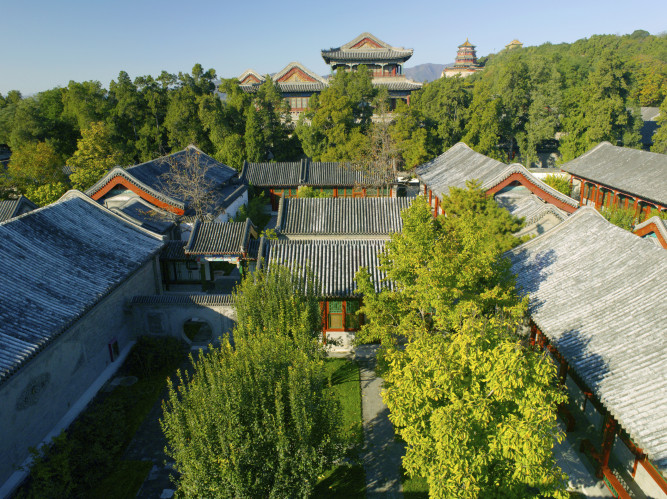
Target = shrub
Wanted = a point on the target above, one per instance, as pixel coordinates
(623, 217)
(559, 182)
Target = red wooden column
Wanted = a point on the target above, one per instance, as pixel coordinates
(608, 435)
(437, 205)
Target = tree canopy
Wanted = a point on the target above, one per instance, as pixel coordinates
(475, 404)
(254, 419)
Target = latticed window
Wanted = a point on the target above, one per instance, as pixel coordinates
(351, 317)
(335, 315)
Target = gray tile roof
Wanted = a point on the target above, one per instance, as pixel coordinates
(305, 172)
(333, 263)
(660, 225)
(215, 238)
(599, 294)
(397, 84)
(144, 214)
(460, 163)
(343, 216)
(384, 51)
(174, 251)
(148, 176)
(527, 205)
(287, 87)
(636, 172)
(204, 300)
(57, 263)
(10, 208)
(336, 55)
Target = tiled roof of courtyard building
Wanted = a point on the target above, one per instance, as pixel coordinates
(527, 205)
(145, 215)
(333, 263)
(174, 251)
(341, 216)
(304, 172)
(654, 226)
(215, 238)
(76, 253)
(204, 300)
(397, 83)
(633, 171)
(10, 208)
(460, 163)
(149, 176)
(599, 294)
(291, 87)
(366, 47)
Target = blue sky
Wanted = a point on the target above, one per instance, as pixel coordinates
(46, 43)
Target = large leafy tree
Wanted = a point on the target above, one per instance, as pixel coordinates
(442, 266)
(475, 405)
(255, 420)
(35, 164)
(334, 128)
(660, 135)
(477, 410)
(95, 156)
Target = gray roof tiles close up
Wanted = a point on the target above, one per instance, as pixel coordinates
(305, 172)
(78, 252)
(599, 294)
(341, 216)
(333, 263)
(10, 208)
(215, 238)
(150, 176)
(636, 172)
(460, 164)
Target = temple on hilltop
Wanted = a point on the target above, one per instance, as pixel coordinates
(514, 44)
(384, 61)
(465, 63)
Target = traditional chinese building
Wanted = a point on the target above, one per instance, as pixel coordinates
(465, 63)
(296, 83)
(514, 44)
(609, 175)
(384, 61)
(513, 187)
(598, 304)
(10, 208)
(333, 264)
(329, 178)
(149, 182)
(340, 218)
(654, 229)
(67, 272)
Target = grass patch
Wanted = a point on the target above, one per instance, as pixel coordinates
(79, 460)
(123, 481)
(414, 488)
(348, 479)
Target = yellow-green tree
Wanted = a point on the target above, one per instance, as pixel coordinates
(474, 403)
(95, 155)
(34, 164)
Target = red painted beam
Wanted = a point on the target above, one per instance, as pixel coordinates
(518, 177)
(118, 180)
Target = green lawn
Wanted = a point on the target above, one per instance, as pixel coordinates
(414, 488)
(347, 479)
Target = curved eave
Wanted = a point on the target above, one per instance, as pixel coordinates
(118, 176)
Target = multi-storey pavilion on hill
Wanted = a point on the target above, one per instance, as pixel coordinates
(465, 63)
(384, 61)
(297, 83)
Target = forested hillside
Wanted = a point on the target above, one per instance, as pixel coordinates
(525, 99)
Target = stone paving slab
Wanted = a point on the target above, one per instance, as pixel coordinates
(382, 453)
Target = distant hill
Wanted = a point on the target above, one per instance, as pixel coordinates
(425, 72)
